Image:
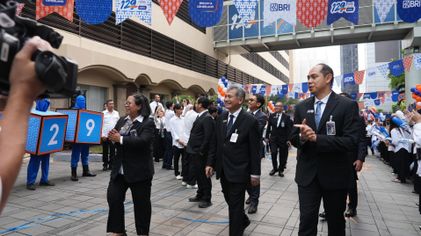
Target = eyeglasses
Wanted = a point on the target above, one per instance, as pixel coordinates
(251, 100)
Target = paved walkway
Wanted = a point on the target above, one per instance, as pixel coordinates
(80, 208)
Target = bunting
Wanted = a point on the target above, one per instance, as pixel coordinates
(62, 7)
(359, 76)
(141, 9)
(170, 8)
(311, 13)
(407, 62)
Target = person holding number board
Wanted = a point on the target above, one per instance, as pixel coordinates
(33, 166)
(133, 166)
(80, 150)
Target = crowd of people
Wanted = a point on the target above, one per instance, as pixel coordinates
(329, 132)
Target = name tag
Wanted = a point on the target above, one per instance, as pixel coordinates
(234, 137)
(331, 127)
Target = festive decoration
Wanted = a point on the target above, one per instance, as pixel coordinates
(383, 8)
(142, 9)
(222, 88)
(61, 7)
(206, 13)
(271, 107)
(95, 11)
(407, 62)
(359, 76)
(417, 61)
(409, 10)
(246, 9)
(396, 68)
(416, 93)
(311, 13)
(170, 8)
(279, 9)
(341, 8)
(383, 70)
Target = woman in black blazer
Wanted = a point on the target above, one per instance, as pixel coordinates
(133, 167)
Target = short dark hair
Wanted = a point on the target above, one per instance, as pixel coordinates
(168, 104)
(109, 100)
(326, 70)
(204, 101)
(260, 99)
(145, 109)
(212, 109)
(178, 106)
(346, 95)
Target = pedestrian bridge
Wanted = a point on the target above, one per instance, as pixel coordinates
(375, 23)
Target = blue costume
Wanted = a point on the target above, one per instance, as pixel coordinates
(80, 150)
(35, 160)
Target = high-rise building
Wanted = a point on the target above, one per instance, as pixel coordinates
(349, 64)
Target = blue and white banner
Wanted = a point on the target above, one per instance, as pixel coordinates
(206, 13)
(417, 61)
(246, 9)
(384, 10)
(348, 79)
(409, 10)
(348, 9)
(54, 3)
(383, 70)
(279, 9)
(396, 68)
(395, 96)
(371, 73)
(94, 11)
(142, 9)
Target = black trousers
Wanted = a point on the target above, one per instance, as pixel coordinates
(254, 193)
(168, 151)
(334, 201)
(158, 146)
(116, 195)
(353, 192)
(234, 194)
(179, 152)
(403, 162)
(281, 148)
(190, 176)
(108, 153)
(204, 192)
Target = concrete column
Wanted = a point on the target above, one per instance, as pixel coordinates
(411, 45)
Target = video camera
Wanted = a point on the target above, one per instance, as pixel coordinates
(58, 74)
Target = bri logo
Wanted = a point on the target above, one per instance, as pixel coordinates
(280, 7)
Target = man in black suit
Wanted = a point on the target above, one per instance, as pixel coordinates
(198, 145)
(277, 133)
(326, 130)
(255, 103)
(236, 156)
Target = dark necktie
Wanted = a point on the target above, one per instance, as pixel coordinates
(230, 123)
(318, 114)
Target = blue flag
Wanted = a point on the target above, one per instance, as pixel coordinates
(206, 13)
(94, 11)
(348, 79)
(348, 9)
(409, 10)
(396, 68)
(285, 88)
(395, 96)
(304, 87)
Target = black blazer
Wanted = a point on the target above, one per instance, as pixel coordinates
(261, 120)
(327, 159)
(136, 152)
(201, 135)
(276, 133)
(236, 160)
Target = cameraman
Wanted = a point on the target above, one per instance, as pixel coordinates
(24, 89)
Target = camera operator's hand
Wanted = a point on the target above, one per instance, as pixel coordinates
(23, 79)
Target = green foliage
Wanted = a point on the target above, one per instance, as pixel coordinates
(179, 98)
(396, 81)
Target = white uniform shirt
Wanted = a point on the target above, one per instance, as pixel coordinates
(401, 139)
(110, 120)
(417, 138)
(188, 122)
(153, 106)
(168, 115)
(177, 131)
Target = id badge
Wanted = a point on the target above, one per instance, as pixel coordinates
(234, 137)
(330, 127)
(282, 124)
(133, 133)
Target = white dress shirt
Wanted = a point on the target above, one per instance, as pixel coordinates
(401, 139)
(279, 119)
(416, 132)
(323, 105)
(177, 131)
(168, 115)
(153, 106)
(110, 119)
(188, 123)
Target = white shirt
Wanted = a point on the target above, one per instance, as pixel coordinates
(153, 106)
(140, 119)
(110, 119)
(279, 119)
(177, 131)
(236, 113)
(401, 139)
(188, 122)
(168, 115)
(323, 105)
(417, 138)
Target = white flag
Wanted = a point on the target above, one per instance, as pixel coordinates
(383, 8)
(129, 8)
(417, 61)
(279, 9)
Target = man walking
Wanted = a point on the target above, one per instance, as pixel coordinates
(201, 136)
(277, 133)
(327, 129)
(111, 117)
(236, 157)
(255, 105)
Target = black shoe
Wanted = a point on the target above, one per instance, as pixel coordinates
(272, 172)
(195, 199)
(87, 173)
(30, 186)
(48, 183)
(246, 222)
(74, 174)
(252, 209)
(105, 168)
(281, 174)
(322, 215)
(351, 212)
(248, 201)
(204, 204)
